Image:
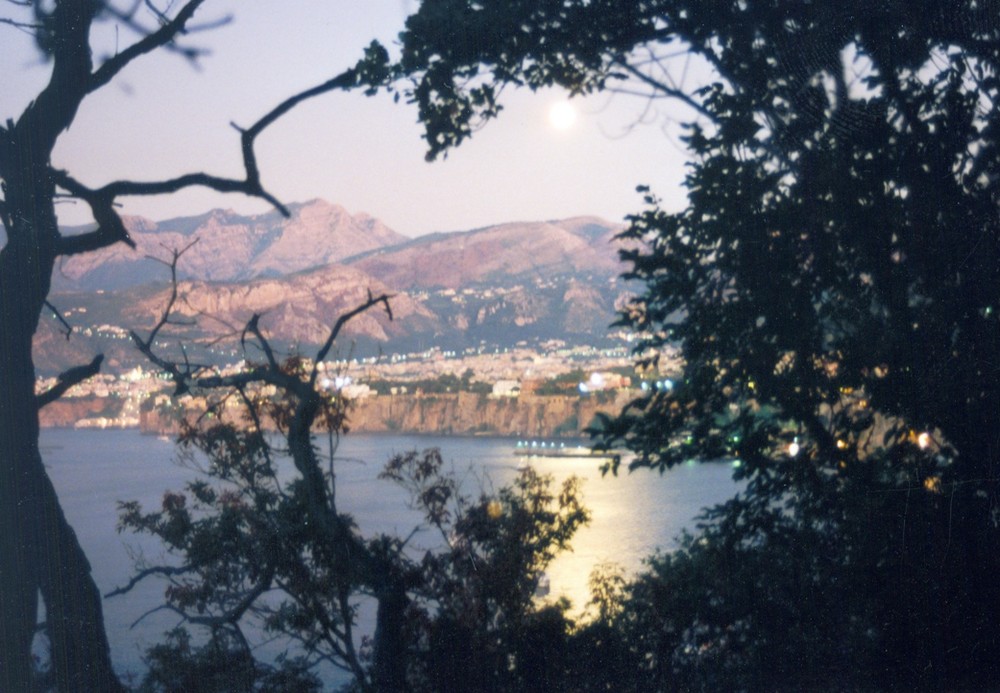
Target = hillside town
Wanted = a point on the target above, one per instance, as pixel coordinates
(549, 376)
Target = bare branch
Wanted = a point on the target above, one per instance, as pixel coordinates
(150, 612)
(59, 316)
(165, 570)
(168, 310)
(178, 375)
(68, 379)
(163, 36)
(343, 320)
(190, 180)
(253, 327)
(26, 27)
(110, 227)
(236, 612)
(661, 87)
(251, 184)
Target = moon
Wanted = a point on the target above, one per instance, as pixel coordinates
(562, 115)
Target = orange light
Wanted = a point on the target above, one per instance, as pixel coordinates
(924, 440)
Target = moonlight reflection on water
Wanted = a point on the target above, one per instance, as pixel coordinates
(632, 515)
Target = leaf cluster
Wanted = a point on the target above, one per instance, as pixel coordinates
(833, 287)
(475, 620)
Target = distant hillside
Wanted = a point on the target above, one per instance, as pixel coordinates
(298, 308)
(497, 254)
(229, 247)
(496, 286)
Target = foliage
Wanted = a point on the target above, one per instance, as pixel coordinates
(247, 559)
(562, 384)
(260, 543)
(834, 288)
(40, 556)
(476, 623)
(223, 665)
(243, 537)
(442, 384)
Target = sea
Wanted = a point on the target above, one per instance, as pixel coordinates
(633, 515)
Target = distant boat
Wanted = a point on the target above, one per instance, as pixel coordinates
(536, 448)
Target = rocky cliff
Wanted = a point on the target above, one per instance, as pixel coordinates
(469, 414)
(463, 414)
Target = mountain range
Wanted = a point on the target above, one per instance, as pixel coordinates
(495, 286)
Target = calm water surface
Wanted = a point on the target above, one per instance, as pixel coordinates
(633, 515)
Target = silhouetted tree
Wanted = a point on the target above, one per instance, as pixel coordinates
(834, 286)
(475, 623)
(39, 553)
(261, 543)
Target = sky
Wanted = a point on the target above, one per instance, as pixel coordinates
(161, 117)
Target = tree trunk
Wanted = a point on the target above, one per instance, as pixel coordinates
(39, 552)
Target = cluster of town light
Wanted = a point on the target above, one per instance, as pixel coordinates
(337, 383)
(665, 385)
(923, 439)
(594, 383)
(539, 444)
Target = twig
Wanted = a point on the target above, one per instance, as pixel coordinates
(164, 36)
(343, 320)
(58, 315)
(164, 570)
(67, 379)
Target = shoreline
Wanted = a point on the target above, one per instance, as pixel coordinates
(462, 414)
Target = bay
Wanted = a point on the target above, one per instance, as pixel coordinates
(633, 515)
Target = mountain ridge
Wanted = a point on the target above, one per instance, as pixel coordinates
(501, 285)
(229, 246)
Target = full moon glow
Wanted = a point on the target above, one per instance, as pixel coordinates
(562, 115)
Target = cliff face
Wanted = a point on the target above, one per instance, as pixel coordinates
(468, 414)
(67, 413)
(465, 414)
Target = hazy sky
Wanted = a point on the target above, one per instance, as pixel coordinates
(161, 118)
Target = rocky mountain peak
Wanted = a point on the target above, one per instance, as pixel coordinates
(230, 246)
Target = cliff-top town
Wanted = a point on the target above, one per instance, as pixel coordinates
(555, 377)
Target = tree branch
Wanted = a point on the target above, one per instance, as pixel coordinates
(67, 379)
(250, 185)
(143, 574)
(234, 614)
(26, 27)
(56, 105)
(343, 320)
(110, 228)
(661, 87)
(60, 318)
(167, 32)
(253, 327)
(145, 346)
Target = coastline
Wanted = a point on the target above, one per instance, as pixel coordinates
(461, 414)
